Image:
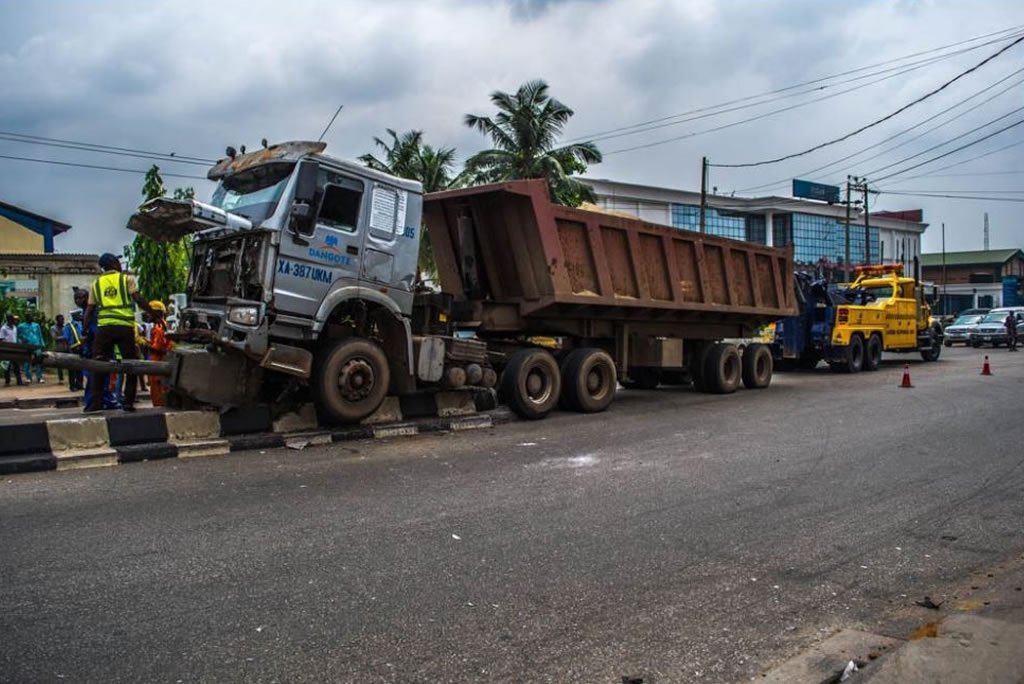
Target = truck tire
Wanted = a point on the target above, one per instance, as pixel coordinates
(588, 380)
(723, 369)
(350, 380)
(933, 352)
(642, 378)
(758, 365)
(531, 383)
(873, 353)
(854, 355)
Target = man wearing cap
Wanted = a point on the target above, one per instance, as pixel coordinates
(110, 303)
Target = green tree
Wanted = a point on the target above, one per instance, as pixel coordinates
(524, 134)
(407, 156)
(161, 267)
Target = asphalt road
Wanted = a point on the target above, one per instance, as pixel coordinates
(677, 537)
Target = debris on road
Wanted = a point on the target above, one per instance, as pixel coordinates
(850, 668)
(929, 604)
(456, 537)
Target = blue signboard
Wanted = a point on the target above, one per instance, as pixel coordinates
(815, 191)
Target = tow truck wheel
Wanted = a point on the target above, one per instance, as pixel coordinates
(854, 355)
(873, 353)
(757, 366)
(932, 352)
(531, 383)
(588, 380)
(351, 380)
(723, 369)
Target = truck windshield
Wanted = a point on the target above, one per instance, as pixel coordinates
(873, 294)
(253, 193)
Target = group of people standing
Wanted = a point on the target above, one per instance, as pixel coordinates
(26, 331)
(104, 328)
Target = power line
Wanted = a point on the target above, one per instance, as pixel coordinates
(97, 167)
(943, 143)
(966, 161)
(881, 120)
(906, 68)
(155, 157)
(960, 197)
(606, 133)
(758, 117)
(784, 181)
(953, 151)
(98, 147)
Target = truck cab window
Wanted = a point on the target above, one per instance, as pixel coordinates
(339, 207)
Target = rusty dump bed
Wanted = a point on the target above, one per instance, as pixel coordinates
(513, 260)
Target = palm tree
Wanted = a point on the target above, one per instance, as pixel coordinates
(524, 133)
(407, 156)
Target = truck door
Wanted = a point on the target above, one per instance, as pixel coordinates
(389, 254)
(328, 250)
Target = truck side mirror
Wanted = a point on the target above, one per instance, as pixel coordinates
(301, 212)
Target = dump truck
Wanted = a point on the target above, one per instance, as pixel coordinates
(849, 327)
(303, 285)
(629, 300)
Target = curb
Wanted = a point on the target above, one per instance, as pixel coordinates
(69, 401)
(102, 441)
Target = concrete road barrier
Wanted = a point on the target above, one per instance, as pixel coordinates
(98, 440)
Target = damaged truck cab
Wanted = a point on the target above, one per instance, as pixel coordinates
(303, 272)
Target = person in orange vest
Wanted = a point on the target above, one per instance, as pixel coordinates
(159, 345)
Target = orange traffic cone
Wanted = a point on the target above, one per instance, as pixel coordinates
(905, 383)
(985, 368)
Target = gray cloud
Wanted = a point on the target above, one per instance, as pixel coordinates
(194, 77)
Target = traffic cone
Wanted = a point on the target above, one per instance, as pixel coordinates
(985, 368)
(905, 383)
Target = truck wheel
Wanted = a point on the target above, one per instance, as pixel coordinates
(588, 380)
(723, 369)
(642, 378)
(350, 380)
(873, 353)
(757, 366)
(531, 383)
(935, 349)
(854, 355)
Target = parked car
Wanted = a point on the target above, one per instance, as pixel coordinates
(959, 331)
(991, 329)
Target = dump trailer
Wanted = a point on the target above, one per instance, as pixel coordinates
(849, 327)
(627, 300)
(303, 286)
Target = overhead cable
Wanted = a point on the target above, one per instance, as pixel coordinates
(883, 119)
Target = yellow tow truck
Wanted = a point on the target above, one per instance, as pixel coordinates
(884, 311)
(850, 327)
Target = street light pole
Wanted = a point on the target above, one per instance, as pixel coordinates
(703, 191)
(846, 259)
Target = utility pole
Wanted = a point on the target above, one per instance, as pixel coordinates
(986, 231)
(867, 224)
(846, 259)
(944, 312)
(703, 191)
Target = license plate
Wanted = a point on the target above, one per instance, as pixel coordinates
(987, 338)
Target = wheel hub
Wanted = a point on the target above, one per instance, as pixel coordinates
(593, 381)
(356, 379)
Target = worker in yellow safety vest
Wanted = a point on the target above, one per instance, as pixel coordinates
(110, 302)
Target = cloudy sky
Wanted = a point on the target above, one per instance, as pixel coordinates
(192, 77)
